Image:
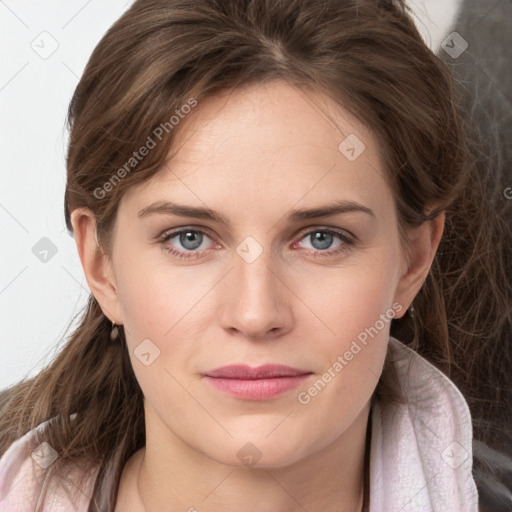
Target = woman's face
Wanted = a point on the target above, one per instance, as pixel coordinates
(258, 281)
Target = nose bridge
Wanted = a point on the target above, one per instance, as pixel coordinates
(254, 272)
(257, 302)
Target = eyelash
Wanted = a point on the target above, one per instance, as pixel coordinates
(348, 243)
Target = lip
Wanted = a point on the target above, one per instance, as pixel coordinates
(260, 383)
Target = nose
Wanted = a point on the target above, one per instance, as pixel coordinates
(258, 304)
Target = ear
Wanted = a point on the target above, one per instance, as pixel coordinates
(424, 241)
(96, 264)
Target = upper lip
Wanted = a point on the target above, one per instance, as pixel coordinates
(243, 371)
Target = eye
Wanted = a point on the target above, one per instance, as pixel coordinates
(191, 240)
(321, 239)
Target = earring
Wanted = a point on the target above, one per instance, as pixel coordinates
(411, 310)
(114, 332)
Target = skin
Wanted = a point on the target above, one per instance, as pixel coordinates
(292, 305)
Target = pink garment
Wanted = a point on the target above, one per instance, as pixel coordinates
(420, 454)
(23, 471)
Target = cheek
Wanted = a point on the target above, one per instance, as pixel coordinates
(355, 314)
(154, 295)
(353, 356)
(162, 320)
(347, 300)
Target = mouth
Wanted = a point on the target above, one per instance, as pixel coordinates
(260, 383)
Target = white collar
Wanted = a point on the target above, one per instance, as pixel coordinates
(421, 452)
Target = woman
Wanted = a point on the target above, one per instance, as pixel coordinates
(257, 191)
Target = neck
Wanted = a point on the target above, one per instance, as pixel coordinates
(180, 478)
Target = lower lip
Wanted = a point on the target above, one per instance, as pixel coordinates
(257, 389)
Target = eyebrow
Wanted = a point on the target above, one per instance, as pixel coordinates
(170, 208)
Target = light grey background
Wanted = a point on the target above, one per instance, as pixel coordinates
(44, 47)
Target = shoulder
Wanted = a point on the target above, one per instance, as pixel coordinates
(26, 482)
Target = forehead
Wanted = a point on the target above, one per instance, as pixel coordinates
(265, 143)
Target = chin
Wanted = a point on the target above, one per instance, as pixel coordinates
(259, 452)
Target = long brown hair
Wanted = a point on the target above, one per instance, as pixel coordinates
(368, 56)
